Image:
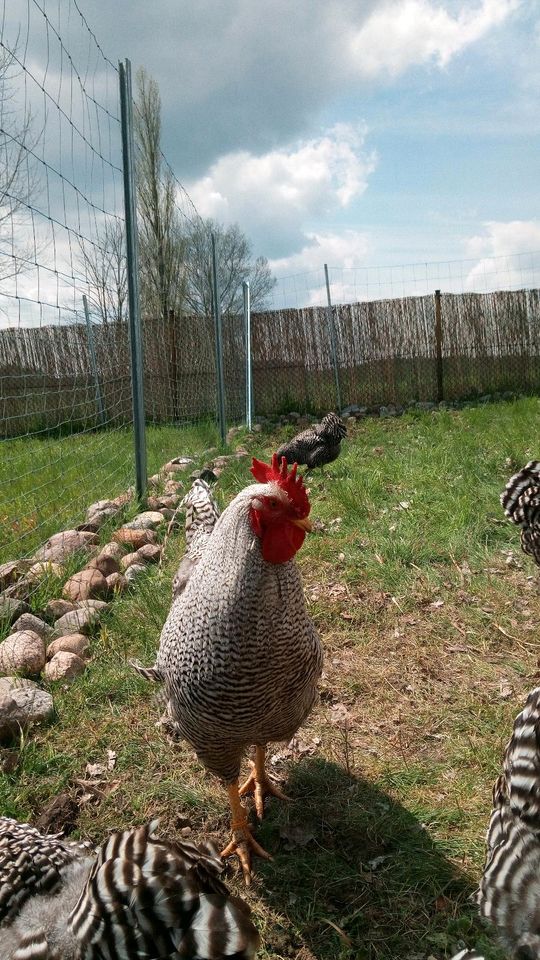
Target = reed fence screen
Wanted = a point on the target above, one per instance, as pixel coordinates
(387, 353)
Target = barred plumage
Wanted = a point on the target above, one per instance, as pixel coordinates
(138, 898)
(238, 652)
(521, 503)
(509, 892)
(240, 624)
(202, 512)
(317, 445)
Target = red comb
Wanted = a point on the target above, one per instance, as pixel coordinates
(268, 473)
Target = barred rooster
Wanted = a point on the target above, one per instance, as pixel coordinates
(136, 898)
(202, 513)
(521, 503)
(317, 445)
(239, 655)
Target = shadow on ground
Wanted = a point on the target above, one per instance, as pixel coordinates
(355, 874)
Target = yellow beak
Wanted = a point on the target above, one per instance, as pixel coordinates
(304, 524)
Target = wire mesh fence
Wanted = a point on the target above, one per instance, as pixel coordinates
(63, 372)
(320, 340)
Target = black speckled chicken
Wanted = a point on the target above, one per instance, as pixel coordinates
(239, 655)
(521, 503)
(317, 445)
(136, 898)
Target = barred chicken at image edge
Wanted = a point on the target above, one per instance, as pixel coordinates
(317, 445)
(521, 503)
(239, 656)
(136, 898)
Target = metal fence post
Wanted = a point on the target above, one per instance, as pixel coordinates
(93, 361)
(333, 340)
(438, 347)
(249, 375)
(135, 338)
(219, 345)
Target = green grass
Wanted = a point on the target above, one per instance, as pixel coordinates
(425, 627)
(46, 483)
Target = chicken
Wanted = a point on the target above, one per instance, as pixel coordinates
(239, 655)
(509, 894)
(202, 512)
(136, 898)
(317, 445)
(521, 503)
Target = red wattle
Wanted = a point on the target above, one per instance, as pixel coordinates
(280, 541)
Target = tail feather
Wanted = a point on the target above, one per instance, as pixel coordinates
(149, 673)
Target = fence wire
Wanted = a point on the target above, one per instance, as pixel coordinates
(64, 373)
(370, 337)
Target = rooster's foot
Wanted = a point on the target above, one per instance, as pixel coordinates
(260, 784)
(243, 844)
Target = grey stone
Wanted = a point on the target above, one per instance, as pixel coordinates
(11, 608)
(27, 621)
(11, 571)
(22, 652)
(22, 703)
(81, 620)
(148, 520)
(62, 545)
(133, 571)
(57, 608)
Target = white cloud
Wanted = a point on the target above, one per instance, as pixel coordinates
(275, 193)
(405, 33)
(346, 249)
(509, 255)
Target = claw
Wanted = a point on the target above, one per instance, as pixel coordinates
(261, 785)
(243, 847)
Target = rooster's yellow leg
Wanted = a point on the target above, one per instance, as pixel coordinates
(242, 842)
(259, 782)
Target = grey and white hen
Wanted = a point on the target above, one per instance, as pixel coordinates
(136, 898)
(509, 894)
(202, 513)
(317, 445)
(521, 503)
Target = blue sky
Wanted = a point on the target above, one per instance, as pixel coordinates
(361, 133)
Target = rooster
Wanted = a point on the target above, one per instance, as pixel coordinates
(136, 898)
(317, 445)
(239, 655)
(521, 503)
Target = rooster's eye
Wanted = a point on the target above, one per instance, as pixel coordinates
(272, 503)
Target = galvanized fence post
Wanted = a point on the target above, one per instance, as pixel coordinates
(438, 347)
(333, 339)
(249, 376)
(93, 361)
(135, 337)
(219, 345)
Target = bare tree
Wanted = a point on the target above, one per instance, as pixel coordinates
(104, 265)
(161, 242)
(19, 179)
(235, 264)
